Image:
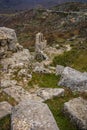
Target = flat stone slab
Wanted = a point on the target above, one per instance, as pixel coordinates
(20, 94)
(17, 92)
(5, 109)
(49, 93)
(31, 115)
(76, 110)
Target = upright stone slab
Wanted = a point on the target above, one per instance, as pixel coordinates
(40, 45)
(31, 115)
(40, 42)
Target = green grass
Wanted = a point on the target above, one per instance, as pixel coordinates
(56, 107)
(56, 104)
(5, 97)
(44, 80)
(5, 123)
(76, 58)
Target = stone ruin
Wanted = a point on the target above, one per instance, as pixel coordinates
(40, 45)
(40, 42)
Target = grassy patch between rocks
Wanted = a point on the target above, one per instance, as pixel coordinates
(44, 80)
(76, 58)
(5, 123)
(56, 107)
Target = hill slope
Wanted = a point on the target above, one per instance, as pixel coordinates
(16, 5)
(62, 24)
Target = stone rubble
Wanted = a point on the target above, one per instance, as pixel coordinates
(31, 112)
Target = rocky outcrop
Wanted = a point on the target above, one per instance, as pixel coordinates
(17, 60)
(5, 109)
(31, 115)
(73, 79)
(8, 42)
(76, 110)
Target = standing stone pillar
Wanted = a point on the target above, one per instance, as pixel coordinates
(40, 46)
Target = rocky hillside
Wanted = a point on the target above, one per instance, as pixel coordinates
(43, 72)
(53, 24)
(10, 6)
(28, 87)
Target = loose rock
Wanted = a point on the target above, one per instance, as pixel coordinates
(59, 69)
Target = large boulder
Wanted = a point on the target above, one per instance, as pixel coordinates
(76, 110)
(8, 42)
(32, 115)
(8, 37)
(73, 79)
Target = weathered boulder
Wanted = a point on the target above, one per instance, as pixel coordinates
(8, 42)
(76, 110)
(31, 115)
(73, 79)
(8, 37)
(59, 69)
(5, 109)
(49, 93)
